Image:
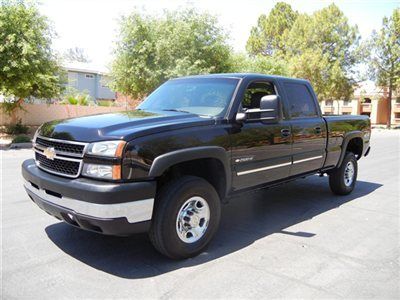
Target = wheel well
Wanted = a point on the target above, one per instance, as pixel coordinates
(355, 145)
(210, 169)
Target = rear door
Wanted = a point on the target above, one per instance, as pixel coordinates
(261, 150)
(307, 127)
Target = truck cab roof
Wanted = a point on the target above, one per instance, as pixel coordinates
(250, 76)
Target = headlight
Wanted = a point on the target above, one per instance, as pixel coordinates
(102, 171)
(367, 135)
(107, 148)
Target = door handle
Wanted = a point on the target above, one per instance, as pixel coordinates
(285, 132)
(317, 129)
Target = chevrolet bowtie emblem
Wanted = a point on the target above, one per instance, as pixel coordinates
(50, 153)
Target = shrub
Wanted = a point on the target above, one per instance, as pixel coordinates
(74, 97)
(21, 139)
(17, 128)
(83, 99)
(71, 100)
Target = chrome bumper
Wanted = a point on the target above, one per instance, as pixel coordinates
(134, 212)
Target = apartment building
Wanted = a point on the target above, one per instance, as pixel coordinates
(368, 100)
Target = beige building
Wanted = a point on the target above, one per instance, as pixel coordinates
(368, 100)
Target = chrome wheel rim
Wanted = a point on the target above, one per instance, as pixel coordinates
(192, 220)
(349, 174)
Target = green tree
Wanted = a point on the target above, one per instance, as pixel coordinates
(151, 49)
(27, 64)
(385, 56)
(242, 63)
(323, 48)
(269, 36)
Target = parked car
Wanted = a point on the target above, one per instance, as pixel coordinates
(194, 142)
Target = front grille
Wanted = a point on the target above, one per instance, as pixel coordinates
(59, 156)
(67, 148)
(60, 166)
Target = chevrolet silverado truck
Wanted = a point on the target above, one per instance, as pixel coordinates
(166, 167)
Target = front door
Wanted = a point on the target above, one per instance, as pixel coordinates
(261, 152)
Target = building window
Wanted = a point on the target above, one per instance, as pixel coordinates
(346, 102)
(398, 100)
(397, 115)
(346, 113)
(329, 102)
(89, 76)
(367, 100)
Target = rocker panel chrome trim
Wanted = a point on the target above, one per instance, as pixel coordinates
(263, 169)
(278, 165)
(307, 159)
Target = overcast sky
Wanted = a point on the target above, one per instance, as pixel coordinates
(92, 25)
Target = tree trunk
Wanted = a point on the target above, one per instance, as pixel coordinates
(389, 120)
(14, 115)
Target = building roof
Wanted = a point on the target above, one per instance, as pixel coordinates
(85, 67)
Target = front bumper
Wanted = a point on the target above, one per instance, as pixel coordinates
(109, 208)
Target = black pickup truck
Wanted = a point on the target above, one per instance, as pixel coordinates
(194, 142)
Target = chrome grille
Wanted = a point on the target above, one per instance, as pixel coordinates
(60, 166)
(67, 159)
(61, 147)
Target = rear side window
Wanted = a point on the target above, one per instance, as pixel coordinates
(301, 101)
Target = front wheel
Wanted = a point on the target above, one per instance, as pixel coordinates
(186, 217)
(343, 179)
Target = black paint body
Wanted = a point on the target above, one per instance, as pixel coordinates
(158, 140)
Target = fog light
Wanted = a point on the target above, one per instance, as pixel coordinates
(102, 171)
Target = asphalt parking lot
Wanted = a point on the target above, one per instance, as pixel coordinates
(295, 241)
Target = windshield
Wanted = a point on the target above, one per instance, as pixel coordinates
(201, 96)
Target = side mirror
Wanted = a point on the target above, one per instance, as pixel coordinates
(269, 107)
(268, 111)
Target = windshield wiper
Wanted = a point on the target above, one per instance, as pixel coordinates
(178, 110)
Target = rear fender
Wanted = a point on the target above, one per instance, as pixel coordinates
(347, 138)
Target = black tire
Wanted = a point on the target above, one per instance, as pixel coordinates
(172, 196)
(337, 178)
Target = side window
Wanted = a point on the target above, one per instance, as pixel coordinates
(254, 92)
(301, 101)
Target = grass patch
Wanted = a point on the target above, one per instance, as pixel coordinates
(106, 103)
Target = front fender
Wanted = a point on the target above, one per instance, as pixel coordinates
(167, 160)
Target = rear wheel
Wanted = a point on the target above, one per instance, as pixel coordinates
(343, 179)
(186, 217)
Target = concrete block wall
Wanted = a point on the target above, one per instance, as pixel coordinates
(37, 114)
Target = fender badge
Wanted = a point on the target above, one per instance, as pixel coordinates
(244, 159)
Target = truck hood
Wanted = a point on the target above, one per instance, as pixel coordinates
(120, 126)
